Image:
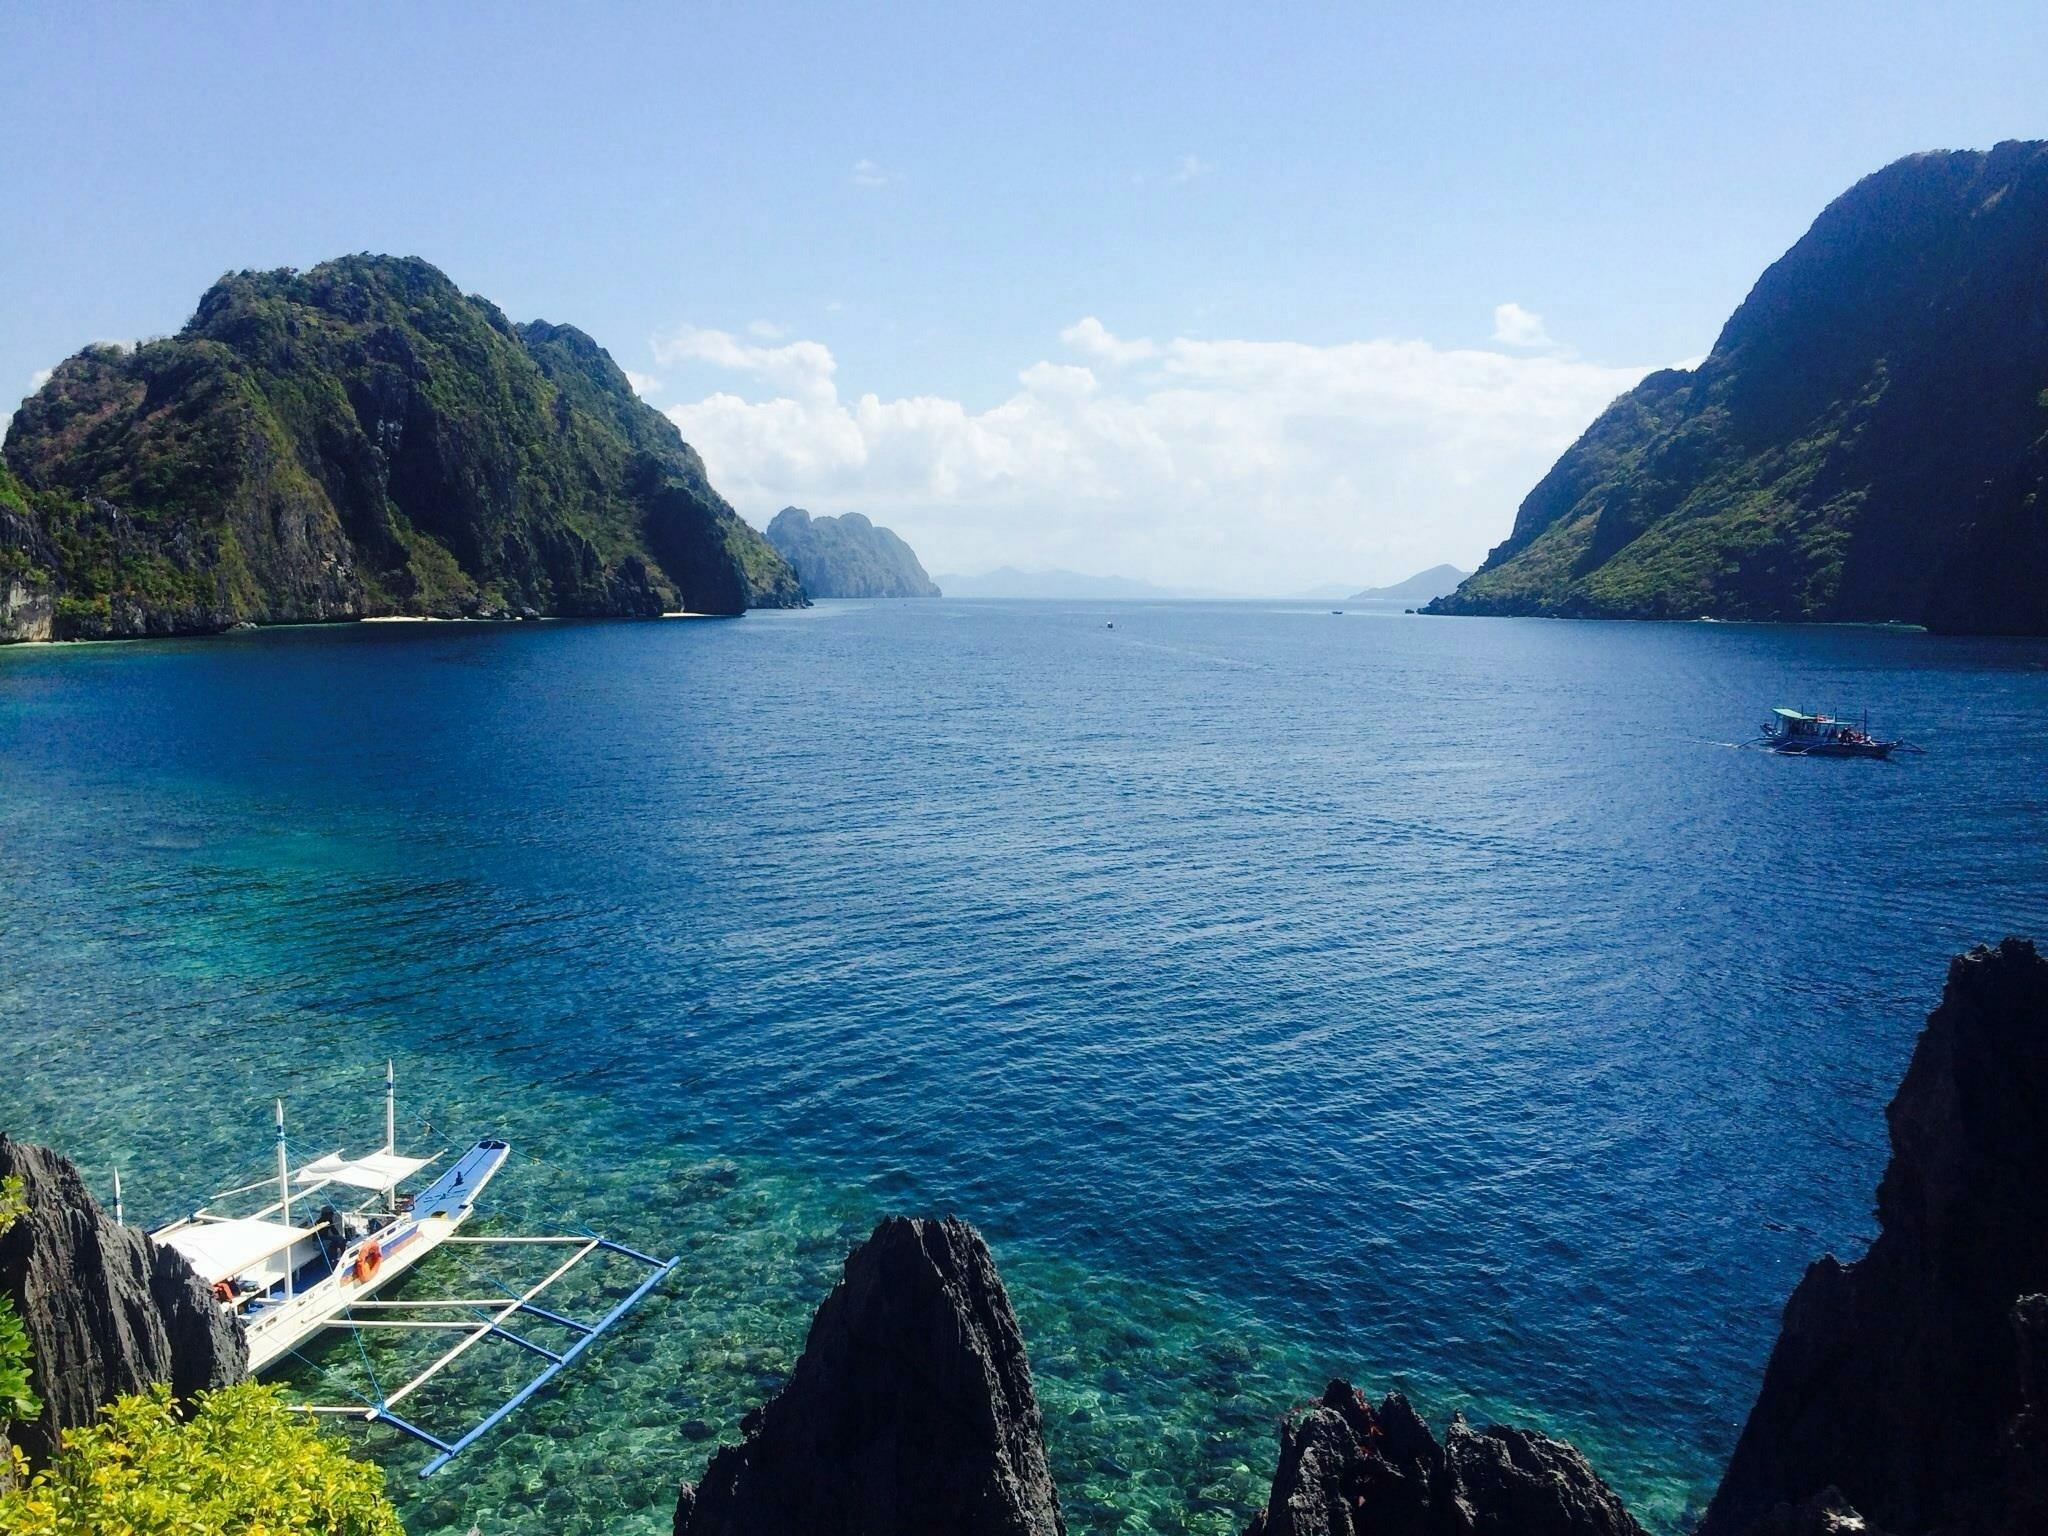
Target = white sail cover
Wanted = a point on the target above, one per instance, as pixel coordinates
(380, 1170)
(220, 1250)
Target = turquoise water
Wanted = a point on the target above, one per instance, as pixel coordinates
(1442, 1003)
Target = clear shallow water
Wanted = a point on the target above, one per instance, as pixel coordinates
(1437, 1002)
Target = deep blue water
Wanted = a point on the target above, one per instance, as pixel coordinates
(1441, 1002)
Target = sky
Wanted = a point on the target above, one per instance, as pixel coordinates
(1251, 298)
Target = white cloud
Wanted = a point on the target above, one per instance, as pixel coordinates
(1091, 338)
(803, 367)
(1254, 465)
(767, 330)
(866, 173)
(645, 385)
(1188, 167)
(1515, 326)
(39, 378)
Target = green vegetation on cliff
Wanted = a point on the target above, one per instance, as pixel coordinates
(1868, 439)
(357, 439)
(242, 1461)
(848, 556)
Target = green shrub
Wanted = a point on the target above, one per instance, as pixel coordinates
(242, 1463)
(17, 1398)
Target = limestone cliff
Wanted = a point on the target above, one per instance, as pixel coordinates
(107, 1311)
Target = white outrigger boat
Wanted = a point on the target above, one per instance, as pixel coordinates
(288, 1283)
(1798, 734)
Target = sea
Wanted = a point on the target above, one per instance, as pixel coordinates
(1453, 1006)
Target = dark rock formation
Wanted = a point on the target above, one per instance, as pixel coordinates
(1913, 1380)
(107, 1311)
(1867, 439)
(1347, 1468)
(848, 556)
(361, 438)
(910, 1413)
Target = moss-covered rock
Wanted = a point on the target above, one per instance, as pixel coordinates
(357, 439)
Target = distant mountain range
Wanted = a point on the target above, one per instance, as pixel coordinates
(1058, 585)
(1868, 439)
(847, 556)
(1419, 588)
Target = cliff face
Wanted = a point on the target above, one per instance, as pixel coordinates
(106, 1310)
(1347, 1468)
(357, 439)
(848, 556)
(910, 1413)
(1867, 440)
(1913, 1380)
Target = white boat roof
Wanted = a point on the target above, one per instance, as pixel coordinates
(379, 1170)
(220, 1250)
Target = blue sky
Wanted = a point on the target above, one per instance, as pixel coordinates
(1209, 294)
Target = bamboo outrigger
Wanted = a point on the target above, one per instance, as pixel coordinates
(288, 1283)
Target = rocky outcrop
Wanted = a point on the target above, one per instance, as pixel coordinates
(1915, 1380)
(910, 1413)
(848, 556)
(107, 1311)
(1865, 441)
(358, 439)
(1347, 1468)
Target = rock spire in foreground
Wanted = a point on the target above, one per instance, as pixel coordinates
(910, 1413)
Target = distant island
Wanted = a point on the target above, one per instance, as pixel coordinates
(1868, 439)
(848, 556)
(355, 440)
(1422, 587)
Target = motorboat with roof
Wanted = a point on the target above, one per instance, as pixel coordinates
(329, 1235)
(1798, 734)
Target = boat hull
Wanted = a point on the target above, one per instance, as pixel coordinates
(277, 1327)
(1877, 749)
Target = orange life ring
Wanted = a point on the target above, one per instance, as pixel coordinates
(367, 1263)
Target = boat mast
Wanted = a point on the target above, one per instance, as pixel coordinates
(390, 1130)
(284, 1192)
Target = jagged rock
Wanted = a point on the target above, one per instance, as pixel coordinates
(910, 1413)
(1898, 1379)
(106, 1310)
(1347, 1468)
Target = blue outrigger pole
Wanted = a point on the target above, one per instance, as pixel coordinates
(492, 1325)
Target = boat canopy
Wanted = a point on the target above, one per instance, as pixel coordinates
(379, 1170)
(220, 1250)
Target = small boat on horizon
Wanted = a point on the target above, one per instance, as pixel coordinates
(1798, 734)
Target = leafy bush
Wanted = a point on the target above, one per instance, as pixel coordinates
(17, 1398)
(242, 1463)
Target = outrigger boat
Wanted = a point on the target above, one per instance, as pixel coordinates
(288, 1283)
(1803, 735)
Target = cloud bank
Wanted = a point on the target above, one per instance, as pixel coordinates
(1235, 464)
